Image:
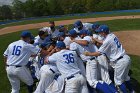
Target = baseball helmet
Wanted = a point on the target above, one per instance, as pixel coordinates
(60, 44)
(103, 28)
(78, 24)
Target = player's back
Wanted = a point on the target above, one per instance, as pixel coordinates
(18, 53)
(113, 47)
(67, 62)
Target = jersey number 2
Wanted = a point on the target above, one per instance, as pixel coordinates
(69, 58)
(17, 50)
(117, 42)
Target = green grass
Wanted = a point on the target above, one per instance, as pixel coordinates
(115, 25)
(68, 17)
(123, 24)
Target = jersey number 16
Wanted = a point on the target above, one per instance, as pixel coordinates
(16, 50)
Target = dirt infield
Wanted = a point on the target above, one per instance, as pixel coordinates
(130, 39)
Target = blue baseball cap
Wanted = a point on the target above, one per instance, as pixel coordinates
(103, 28)
(89, 33)
(95, 26)
(77, 24)
(83, 32)
(61, 34)
(72, 32)
(60, 44)
(26, 34)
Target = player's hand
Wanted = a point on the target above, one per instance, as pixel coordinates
(72, 41)
(86, 53)
(46, 60)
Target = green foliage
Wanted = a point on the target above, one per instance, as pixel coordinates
(5, 12)
(18, 9)
(33, 8)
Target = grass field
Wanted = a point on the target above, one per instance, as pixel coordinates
(68, 17)
(115, 25)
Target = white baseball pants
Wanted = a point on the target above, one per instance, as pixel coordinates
(103, 68)
(77, 84)
(46, 78)
(121, 70)
(91, 73)
(15, 74)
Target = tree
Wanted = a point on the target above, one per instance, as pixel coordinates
(55, 7)
(91, 5)
(6, 12)
(29, 8)
(18, 9)
(105, 5)
(41, 8)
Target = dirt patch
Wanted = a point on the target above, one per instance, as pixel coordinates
(129, 39)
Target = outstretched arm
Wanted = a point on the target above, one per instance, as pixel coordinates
(81, 42)
(92, 53)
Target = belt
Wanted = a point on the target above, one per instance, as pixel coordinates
(52, 70)
(72, 76)
(119, 58)
(14, 66)
(92, 58)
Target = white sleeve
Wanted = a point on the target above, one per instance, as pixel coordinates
(95, 36)
(33, 49)
(104, 47)
(52, 58)
(73, 46)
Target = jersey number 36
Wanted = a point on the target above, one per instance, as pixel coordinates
(69, 58)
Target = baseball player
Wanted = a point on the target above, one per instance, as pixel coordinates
(47, 74)
(16, 58)
(67, 64)
(103, 65)
(117, 56)
(85, 44)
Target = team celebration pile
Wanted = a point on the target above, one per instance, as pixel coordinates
(86, 59)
